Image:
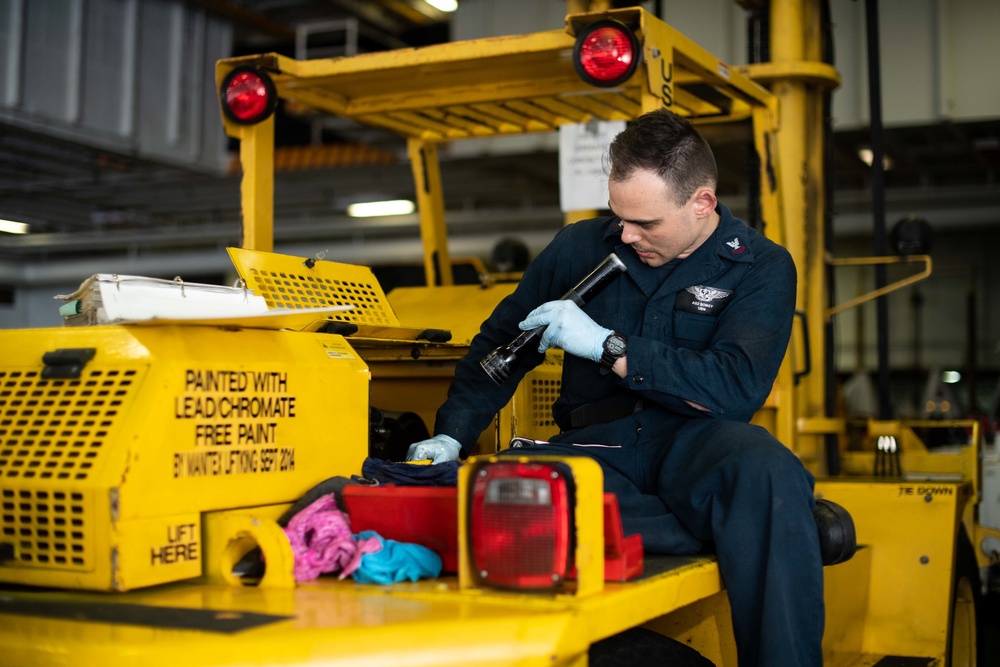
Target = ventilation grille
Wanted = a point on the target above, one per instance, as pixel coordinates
(55, 429)
(544, 382)
(287, 282)
(543, 394)
(282, 290)
(52, 436)
(46, 527)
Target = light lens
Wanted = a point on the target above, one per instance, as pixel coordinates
(606, 53)
(520, 525)
(248, 96)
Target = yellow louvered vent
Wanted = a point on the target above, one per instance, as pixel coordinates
(54, 429)
(544, 390)
(293, 282)
(49, 528)
(52, 435)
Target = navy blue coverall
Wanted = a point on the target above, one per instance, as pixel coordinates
(710, 329)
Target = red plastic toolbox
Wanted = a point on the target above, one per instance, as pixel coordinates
(424, 515)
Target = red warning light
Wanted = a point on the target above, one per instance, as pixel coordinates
(248, 96)
(606, 53)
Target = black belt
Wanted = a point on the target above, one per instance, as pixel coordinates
(602, 413)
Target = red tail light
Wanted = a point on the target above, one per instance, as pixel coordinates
(606, 53)
(248, 95)
(521, 524)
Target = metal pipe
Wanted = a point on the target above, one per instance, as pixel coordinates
(878, 203)
(794, 45)
(830, 443)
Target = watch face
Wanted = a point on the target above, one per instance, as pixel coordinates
(615, 345)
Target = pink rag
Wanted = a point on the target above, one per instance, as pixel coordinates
(321, 540)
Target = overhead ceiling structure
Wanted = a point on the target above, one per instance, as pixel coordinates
(84, 196)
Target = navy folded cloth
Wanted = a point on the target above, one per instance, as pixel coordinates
(408, 474)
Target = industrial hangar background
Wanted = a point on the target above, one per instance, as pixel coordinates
(113, 160)
(112, 153)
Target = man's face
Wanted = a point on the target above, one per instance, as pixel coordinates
(654, 225)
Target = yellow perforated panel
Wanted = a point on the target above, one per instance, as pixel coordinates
(289, 282)
(48, 527)
(534, 397)
(52, 435)
(54, 429)
(544, 392)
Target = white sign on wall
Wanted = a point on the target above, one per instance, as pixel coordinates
(583, 183)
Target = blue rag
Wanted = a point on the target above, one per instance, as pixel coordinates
(395, 561)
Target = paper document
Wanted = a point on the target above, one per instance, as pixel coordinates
(107, 298)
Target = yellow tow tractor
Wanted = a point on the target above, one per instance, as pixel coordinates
(140, 463)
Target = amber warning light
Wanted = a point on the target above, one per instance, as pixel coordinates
(606, 53)
(248, 95)
(520, 524)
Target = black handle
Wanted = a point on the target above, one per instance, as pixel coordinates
(500, 363)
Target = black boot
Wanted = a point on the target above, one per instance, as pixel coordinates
(837, 539)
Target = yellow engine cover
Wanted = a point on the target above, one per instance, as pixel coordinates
(104, 477)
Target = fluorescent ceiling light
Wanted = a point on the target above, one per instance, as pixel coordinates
(951, 377)
(12, 227)
(443, 5)
(374, 209)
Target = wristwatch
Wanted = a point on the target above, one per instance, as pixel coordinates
(614, 349)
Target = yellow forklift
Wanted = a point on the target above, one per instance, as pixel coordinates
(142, 462)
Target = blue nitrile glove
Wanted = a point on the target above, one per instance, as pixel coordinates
(439, 449)
(569, 328)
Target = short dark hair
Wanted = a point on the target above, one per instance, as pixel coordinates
(664, 143)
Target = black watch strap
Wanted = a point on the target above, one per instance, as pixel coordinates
(615, 346)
